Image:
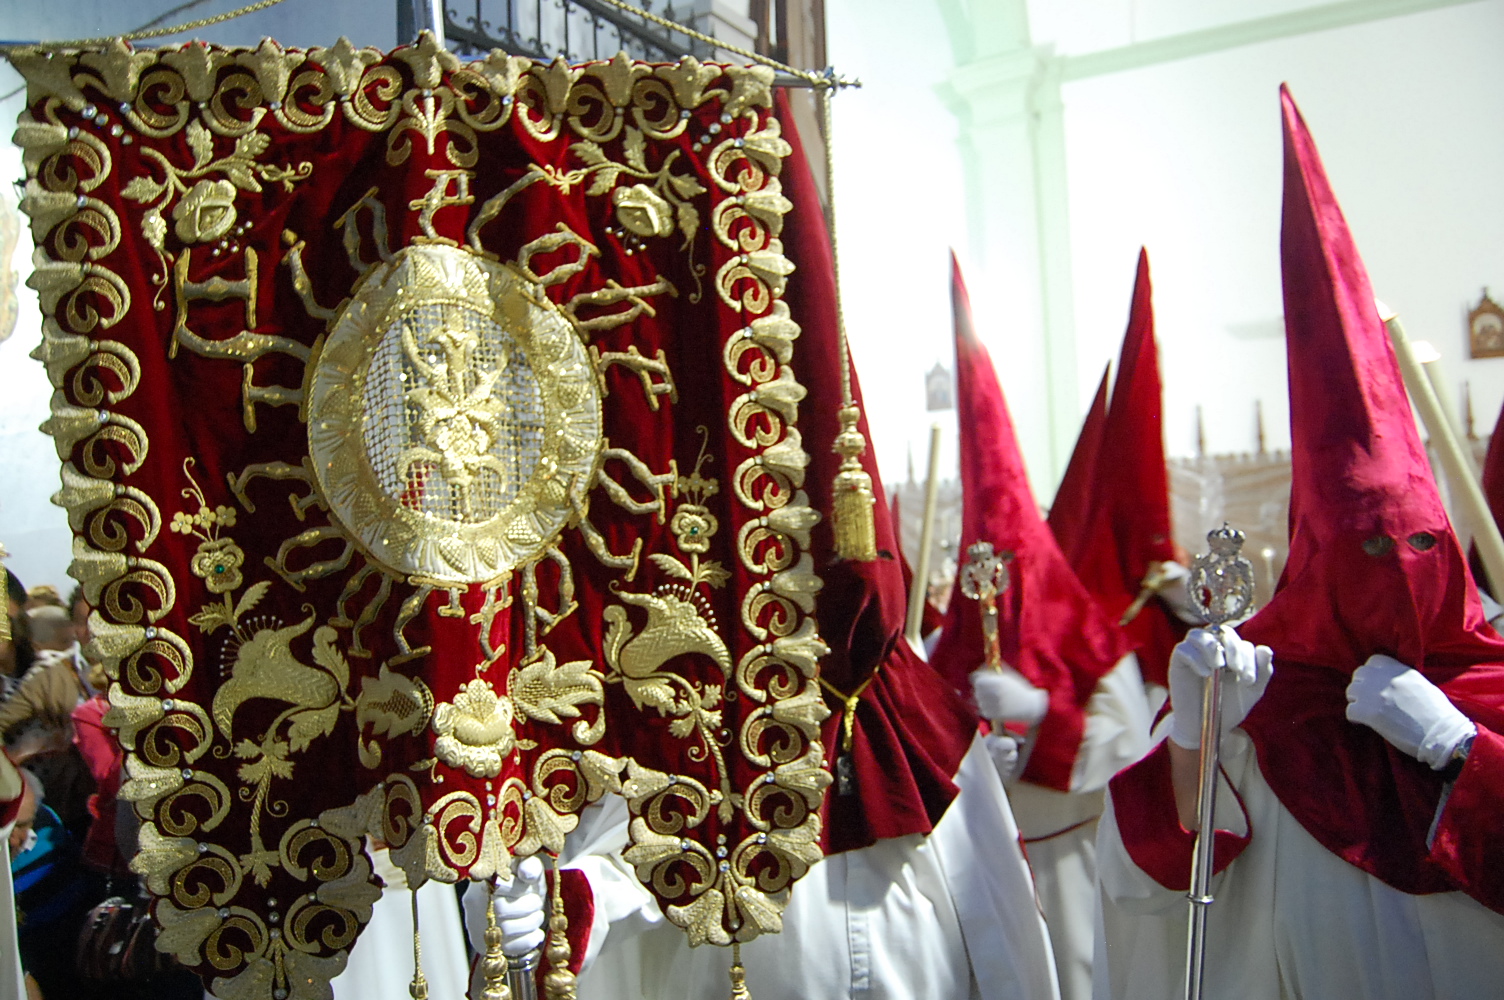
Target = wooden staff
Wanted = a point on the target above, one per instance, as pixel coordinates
(920, 591)
(1466, 492)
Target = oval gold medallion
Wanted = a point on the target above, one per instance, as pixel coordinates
(452, 414)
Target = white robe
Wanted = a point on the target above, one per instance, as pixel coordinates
(380, 966)
(1291, 919)
(948, 916)
(1060, 828)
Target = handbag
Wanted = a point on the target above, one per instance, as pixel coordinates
(117, 942)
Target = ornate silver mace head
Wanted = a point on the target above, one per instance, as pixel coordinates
(1221, 583)
(985, 574)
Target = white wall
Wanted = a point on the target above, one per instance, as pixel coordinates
(900, 206)
(1186, 158)
(1183, 157)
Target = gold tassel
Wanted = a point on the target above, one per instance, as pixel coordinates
(739, 989)
(851, 513)
(418, 988)
(494, 965)
(559, 983)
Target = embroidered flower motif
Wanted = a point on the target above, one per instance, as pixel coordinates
(218, 562)
(182, 523)
(206, 213)
(475, 731)
(643, 211)
(225, 516)
(693, 525)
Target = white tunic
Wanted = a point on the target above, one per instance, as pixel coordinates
(1291, 919)
(380, 966)
(1060, 828)
(950, 915)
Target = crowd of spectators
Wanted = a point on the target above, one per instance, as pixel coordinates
(72, 887)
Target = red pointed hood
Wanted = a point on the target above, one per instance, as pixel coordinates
(1374, 566)
(1127, 526)
(1052, 632)
(1068, 513)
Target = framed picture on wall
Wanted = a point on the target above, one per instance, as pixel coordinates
(1485, 328)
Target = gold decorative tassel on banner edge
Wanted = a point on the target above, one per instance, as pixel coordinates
(418, 988)
(559, 983)
(852, 499)
(739, 989)
(494, 964)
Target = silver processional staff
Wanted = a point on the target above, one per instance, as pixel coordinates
(1221, 586)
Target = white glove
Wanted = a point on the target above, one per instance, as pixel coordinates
(518, 906)
(1004, 695)
(1004, 753)
(1399, 704)
(1194, 660)
(1175, 593)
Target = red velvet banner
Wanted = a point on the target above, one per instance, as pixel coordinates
(429, 436)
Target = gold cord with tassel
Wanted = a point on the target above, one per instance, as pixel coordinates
(494, 965)
(559, 983)
(418, 988)
(852, 498)
(739, 989)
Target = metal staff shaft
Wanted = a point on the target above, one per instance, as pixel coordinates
(1221, 585)
(1202, 856)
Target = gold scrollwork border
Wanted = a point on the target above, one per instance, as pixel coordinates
(157, 93)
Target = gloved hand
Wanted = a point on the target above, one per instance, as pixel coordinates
(1004, 695)
(1003, 750)
(1249, 666)
(518, 906)
(1401, 705)
(1175, 593)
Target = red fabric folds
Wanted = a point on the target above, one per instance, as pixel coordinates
(1126, 527)
(1374, 566)
(1072, 503)
(911, 728)
(1143, 805)
(1472, 825)
(1052, 631)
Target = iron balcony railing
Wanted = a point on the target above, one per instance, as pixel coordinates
(580, 30)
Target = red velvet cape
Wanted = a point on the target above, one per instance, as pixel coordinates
(1051, 630)
(1374, 564)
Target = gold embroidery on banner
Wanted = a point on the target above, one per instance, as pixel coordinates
(229, 94)
(492, 416)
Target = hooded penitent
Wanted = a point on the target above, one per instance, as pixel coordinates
(1126, 528)
(1374, 566)
(1051, 630)
(1068, 512)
